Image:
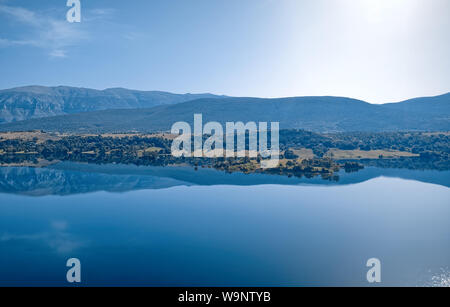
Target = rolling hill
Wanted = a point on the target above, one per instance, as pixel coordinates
(38, 101)
(321, 114)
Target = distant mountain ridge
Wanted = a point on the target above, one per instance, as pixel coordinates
(29, 102)
(436, 104)
(320, 114)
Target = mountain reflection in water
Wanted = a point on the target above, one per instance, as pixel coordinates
(74, 178)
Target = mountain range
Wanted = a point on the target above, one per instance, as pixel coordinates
(29, 102)
(121, 110)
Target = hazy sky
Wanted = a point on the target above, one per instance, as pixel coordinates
(376, 50)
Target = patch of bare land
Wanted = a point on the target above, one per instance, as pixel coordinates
(357, 154)
(446, 133)
(37, 136)
(126, 135)
(304, 153)
(40, 163)
(41, 137)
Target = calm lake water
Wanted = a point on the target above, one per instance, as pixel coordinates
(177, 227)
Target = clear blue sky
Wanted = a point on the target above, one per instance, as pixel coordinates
(376, 50)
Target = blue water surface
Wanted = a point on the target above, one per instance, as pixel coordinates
(178, 227)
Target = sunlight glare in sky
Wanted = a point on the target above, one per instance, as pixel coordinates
(374, 50)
